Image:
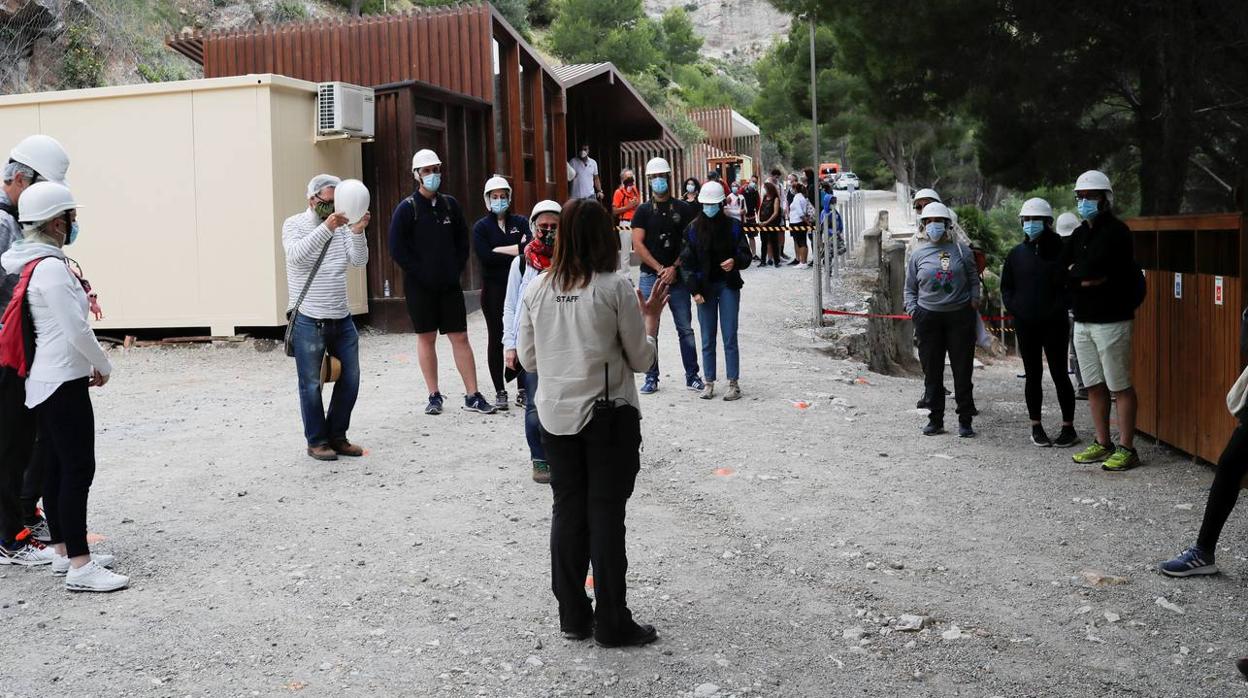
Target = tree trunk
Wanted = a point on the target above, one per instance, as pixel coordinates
(355, 7)
(1164, 117)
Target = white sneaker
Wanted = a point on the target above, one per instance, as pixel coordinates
(29, 555)
(41, 532)
(60, 565)
(93, 577)
(709, 391)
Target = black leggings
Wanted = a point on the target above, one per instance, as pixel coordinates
(951, 333)
(770, 241)
(17, 441)
(493, 295)
(67, 448)
(1050, 339)
(1225, 489)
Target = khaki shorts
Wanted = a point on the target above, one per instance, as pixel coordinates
(1104, 353)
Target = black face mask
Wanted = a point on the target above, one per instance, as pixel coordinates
(628, 182)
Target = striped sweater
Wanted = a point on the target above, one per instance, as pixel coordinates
(303, 237)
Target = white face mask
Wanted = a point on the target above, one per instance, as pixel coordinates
(584, 154)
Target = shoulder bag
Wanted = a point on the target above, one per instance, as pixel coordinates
(294, 312)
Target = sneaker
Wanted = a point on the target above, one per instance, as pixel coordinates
(502, 401)
(934, 427)
(795, 263)
(650, 386)
(60, 565)
(636, 636)
(1067, 437)
(541, 472)
(1081, 394)
(32, 554)
(1095, 453)
(1039, 438)
(1190, 562)
(733, 392)
(93, 577)
(40, 530)
(1123, 459)
(435, 404)
(921, 404)
(522, 398)
(708, 391)
(965, 431)
(695, 384)
(476, 403)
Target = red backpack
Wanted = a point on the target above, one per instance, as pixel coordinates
(17, 336)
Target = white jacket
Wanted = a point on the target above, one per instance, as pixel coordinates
(517, 282)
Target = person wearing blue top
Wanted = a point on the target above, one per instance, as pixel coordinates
(497, 237)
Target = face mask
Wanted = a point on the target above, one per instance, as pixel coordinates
(73, 231)
(629, 182)
(1087, 208)
(935, 231)
(690, 188)
(658, 185)
(584, 154)
(431, 182)
(1032, 229)
(324, 209)
(499, 205)
(710, 210)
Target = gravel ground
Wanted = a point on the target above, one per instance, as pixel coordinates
(780, 550)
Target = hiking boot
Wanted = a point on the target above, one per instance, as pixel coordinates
(502, 401)
(637, 636)
(93, 577)
(1095, 453)
(733, 392)
(1067, 437)
(522, 398)
(1190, 562)
(541, 472)
(1123, 459)
(934, 427)
(695, 384)
(965, 431)
(345, 448)
(60, 564)
(650, 386)
(476, 403)
(435, 404)
(708, 392)
(1039, 438)
(322, 452)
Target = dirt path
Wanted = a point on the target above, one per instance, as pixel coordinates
(422, 569)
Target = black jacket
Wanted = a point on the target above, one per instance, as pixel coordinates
(486, 235)
(1104, 250)
(696, 263)
(429, 242)
(1033, 281)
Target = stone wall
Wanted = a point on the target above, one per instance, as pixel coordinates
(740, 29)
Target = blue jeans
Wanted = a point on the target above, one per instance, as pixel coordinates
(312, 338)
(723, 304)
(532, 427)
(681, 305)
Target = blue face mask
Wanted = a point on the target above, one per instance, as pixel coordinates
(496, 205)
(658, 185)
(431, 182)
(73, 233)
(1087, 208)
(710, 210)
(935, 230)
(1032, 229)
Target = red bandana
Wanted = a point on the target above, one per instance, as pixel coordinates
(537, 254)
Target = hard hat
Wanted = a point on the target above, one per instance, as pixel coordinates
(424, 158)
(1036, 207)
(43, 201)
(712, 193)
(545, 206)
(1093, 180)
(494, 184)
(925, 194)
(936, 210)
(44, 155)
(657, 166)
(1066, 224)
(351, 197)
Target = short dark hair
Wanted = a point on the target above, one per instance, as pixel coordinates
(775, 172)
(586, 245)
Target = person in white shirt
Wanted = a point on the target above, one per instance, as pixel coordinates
(320, 245)
(586, 332)
(801, 216)
(585, 183)
(67, 362)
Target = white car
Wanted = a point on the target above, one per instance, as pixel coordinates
(847, 180)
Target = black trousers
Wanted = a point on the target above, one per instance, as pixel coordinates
(949, 333)
(770, 245)
(592, 476)
(1050, 340)
(17, 442)
(1224, 492)
(67, 449)
(493, 295)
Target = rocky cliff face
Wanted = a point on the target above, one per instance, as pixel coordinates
(730, 29)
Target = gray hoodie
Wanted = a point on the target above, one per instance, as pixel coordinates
(941, 276)
(10, 231)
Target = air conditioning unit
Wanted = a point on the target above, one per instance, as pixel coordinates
(343, 109)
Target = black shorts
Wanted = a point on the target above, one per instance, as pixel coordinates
(437, 310)
(799, 239)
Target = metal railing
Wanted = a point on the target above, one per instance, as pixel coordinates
(831, 251)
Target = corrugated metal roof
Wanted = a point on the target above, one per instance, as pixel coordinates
(576, 73)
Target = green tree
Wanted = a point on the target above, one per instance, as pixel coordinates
(588, 31)
(680, 43)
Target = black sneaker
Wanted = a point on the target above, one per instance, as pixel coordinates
(922, 403)
(435, 404)
(502, 401)
(636, 637)
(1081, 394)
(522, 397)
(1039, 438)
(934, 427)
(477, 403)
(965, 431)
(1067, 437)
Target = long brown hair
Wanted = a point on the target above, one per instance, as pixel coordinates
(586, 245)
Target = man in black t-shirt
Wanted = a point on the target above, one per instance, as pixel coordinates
(658, 227)
(752, 200)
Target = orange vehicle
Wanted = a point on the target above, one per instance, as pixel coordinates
(829, 169)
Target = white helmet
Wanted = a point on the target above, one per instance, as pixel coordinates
(493, 184)
(657, 166)
(1036, 207)
(1066, 224)
(1093, 180)
(424, 158)
(43, 201)
(44, 155)
(925, 194)
(352, 198)
(545, 206)
(936, 210)
(712, 193)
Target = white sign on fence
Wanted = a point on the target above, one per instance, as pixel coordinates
(1178, 285)
(1217, 290)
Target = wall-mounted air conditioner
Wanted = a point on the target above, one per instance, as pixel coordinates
(343, 109)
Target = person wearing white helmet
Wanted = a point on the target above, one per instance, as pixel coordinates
(68, 361)
(535, 258)
(36, 158)
(497, 237)
(1033, 290)
(942, 295)
(429, 242)
(321, 246)
(657, 233)
(1106, 287)
(714, 253)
